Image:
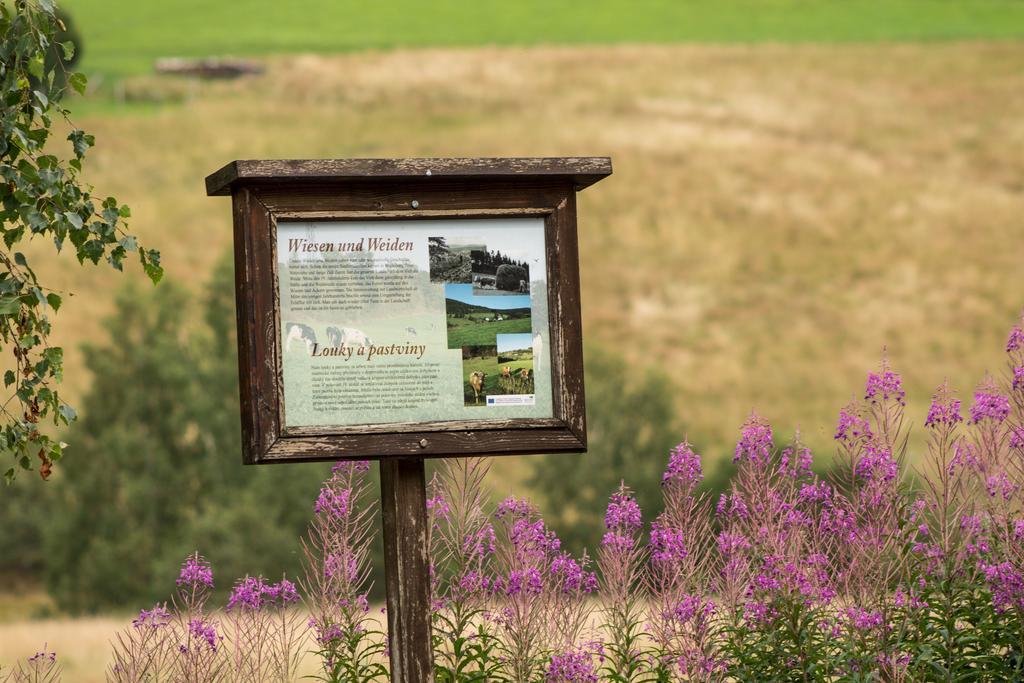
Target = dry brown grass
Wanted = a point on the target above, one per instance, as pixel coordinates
(82, 645)
(777, 215)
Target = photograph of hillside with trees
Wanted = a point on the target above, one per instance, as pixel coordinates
(450, 259)
(477, 320)
(497, 273)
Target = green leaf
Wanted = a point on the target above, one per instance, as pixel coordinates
(54, 300)
(10, 305)
(69, 50)
(74, 219)
(35, 67)
(68, 413)
(78, 81)
(9, 378)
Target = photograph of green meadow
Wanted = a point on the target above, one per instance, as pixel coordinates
(515, 362)
(475, 320)
(801, 311)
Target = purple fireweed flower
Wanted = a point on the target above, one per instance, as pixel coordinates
(526, 581)
(755, 444)
(1018, 378)
(944, 410)
(195, 572)
(851, 427)
(916, 508)
(730, 543)
(989, 405)
(1016, 340)
(44, 656)
(796, 461)
(281, 593)
(344, 566)
(863, 620)
(884, 385)
(623, 513)
(204, 632)
(155, 618)
(326, 633)
(473, 583)
(817, 492)
(576, 666)
(976, 542)
(480, 543)
(337, 503)
(732, 506)
(965, 456)
(972, 524)
(1017, 437)
(1000, 485)
(248, 594)
(571, 576)
(514, 507)
(909, 599)
(667, 545)
(877, 464)
(532, 540)
(684, 467)
(689, 607)
(351, 466)
(437, 506)
(760, 612)
(617, 543)
(1007, 585)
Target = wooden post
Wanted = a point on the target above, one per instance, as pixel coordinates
(403, 489)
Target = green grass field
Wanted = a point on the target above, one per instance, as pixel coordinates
(472, 332)
(124, 37)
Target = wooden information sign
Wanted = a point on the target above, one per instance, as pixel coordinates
(399, 309)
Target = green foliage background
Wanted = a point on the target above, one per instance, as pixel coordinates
(158, 473)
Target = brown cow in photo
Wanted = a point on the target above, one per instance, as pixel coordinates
(476, 381)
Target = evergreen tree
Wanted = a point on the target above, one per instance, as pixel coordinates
(159, 471)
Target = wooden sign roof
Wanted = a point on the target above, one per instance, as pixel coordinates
(583, 171)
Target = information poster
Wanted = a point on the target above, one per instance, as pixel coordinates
(413, 321)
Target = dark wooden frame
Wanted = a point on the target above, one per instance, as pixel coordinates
(266, 192)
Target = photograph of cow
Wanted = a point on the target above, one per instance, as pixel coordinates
(479, 374)
(300, 334)
(496, 273)
(347, 336)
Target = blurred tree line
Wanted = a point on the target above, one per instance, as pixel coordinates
(157, 469)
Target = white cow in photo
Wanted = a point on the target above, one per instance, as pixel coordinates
(350, 336)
